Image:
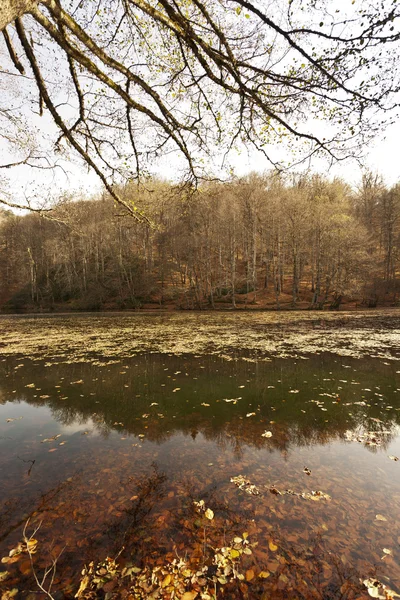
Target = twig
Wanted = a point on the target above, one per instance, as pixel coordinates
(50, 570)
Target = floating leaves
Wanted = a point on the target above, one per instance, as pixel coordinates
(51, 439)
(380, 518)
(316, 496)
(313, 495)
(209, 514)
(386, 552)
(376, 589)
(369, 438)
(244, 484)
(266, 434)
(233, 400)
(395, 458)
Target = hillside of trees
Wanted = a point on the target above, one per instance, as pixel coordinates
(257, 242)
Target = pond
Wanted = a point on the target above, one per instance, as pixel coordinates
(114, 429)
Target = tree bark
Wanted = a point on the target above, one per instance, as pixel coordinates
(12, 9)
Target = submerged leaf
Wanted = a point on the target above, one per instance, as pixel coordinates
(273, 547)
(209, 514)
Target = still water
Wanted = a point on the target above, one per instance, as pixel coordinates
(109, 458)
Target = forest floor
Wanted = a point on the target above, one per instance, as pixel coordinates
(262, 300)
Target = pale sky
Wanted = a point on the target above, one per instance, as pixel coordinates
(24, 182)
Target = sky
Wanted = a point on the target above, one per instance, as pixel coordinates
(72, 179)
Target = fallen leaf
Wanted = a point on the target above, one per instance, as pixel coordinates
(266, 434)
(273, 547)
(209, 514)
(264, 574)
(84, 583)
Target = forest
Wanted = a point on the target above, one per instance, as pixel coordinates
(263, 241)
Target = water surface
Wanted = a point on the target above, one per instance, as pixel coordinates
(110, 455)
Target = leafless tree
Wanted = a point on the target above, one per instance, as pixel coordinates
(128, 81)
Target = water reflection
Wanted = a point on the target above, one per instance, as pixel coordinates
(130, 445)
(305, 403)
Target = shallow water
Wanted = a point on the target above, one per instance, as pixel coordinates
(140, 439)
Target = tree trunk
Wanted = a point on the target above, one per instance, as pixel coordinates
(11, 9)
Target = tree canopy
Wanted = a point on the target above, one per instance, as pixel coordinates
(128, 81)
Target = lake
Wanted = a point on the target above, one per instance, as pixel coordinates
(115, 428)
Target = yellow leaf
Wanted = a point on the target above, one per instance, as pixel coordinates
(209, 514)
(84, 583)
(245, 535)
(187, 573)
(166, 581)
(189, 596)
(234, 553)
(7, 595)
(264, 574)
(249, 575)
(31, 544)
(272, 547)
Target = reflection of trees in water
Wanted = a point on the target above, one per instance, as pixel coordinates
(234, 431)
(15, 512)
(108, 401)
(136, 520)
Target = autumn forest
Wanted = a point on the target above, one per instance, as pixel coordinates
(257, 242)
